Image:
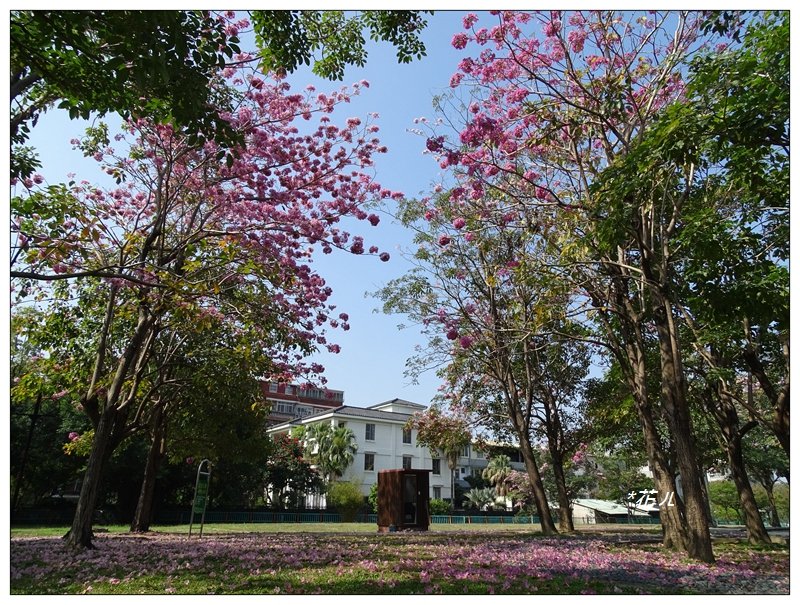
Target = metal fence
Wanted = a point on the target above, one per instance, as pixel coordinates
(182, 517)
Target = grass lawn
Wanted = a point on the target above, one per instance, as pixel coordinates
(354, 559)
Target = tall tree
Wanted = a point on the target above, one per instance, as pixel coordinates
(158, 64)
(165, 65)
(552, 110)
(767, 465)
(332, 449)
(496, 473)
(444, 433)
(189, 235)
(208, 402)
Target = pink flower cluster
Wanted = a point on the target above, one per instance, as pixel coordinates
(439, 562)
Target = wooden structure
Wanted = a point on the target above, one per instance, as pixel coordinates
(403, 501)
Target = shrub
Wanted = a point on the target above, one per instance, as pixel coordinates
(373, 498)
(346, 498)
(439, 507)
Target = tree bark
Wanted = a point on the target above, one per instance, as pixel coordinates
(565, 523)
(109, 432)
(539, 495)
(144, 506)
(723, 410)
(774, 517)
(756, 532)
(631, 354)
(21, 473)
(80, 534)
(673, 398)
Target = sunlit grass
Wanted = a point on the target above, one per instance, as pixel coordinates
(355, 559)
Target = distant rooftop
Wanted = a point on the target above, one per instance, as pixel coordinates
(353, 411)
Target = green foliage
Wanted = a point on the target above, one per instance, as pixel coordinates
(333, 39)
(725, 502)
(440, 432)
(373, 498)
(497, 472)
(346, 498)
(159, 64)
(288, 475)
(481, 498)
(331, 449)
(437, 506)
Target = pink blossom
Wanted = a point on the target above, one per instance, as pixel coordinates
(459, 41)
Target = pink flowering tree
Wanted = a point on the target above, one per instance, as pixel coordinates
(189, 235)
(555, 99)
(499, 331)
(444, 433)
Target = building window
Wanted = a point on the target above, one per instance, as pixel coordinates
(437, 466)
(369, 462)
(437, 493)
(369, 435)
(284, 408)
(342, 423)
(406, 462)
(465, 451)
(406, 435)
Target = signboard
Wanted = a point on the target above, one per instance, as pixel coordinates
(200, 495)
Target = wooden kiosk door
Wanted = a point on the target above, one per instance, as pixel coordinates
(409, 499)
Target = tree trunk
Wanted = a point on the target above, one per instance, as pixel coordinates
(673, 397)
(672, 521)
(756, 532)
(80, 534)
(724, 412)
(778, 396)
(774, 517)
(565, 523)
(21, 472)
(144, 506)
(452, 488)
(539, 495)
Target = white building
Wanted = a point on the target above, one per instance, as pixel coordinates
(384, 444)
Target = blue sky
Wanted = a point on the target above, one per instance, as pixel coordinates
(370, 366)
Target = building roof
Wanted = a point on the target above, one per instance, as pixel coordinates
(405, 402)
(348, 411)
(603, 506)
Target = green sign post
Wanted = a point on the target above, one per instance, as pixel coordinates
(200, 495)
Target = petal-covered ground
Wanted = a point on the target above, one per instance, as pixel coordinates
(406, 563)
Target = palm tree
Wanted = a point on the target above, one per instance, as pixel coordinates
(341, 451)
(334, 449)
(497, 473)
(481, 498)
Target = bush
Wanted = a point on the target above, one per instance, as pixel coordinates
(439, 507)
(373, 498)
(346, 498)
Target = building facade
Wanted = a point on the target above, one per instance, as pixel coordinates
(288, 401)
(384, 444)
